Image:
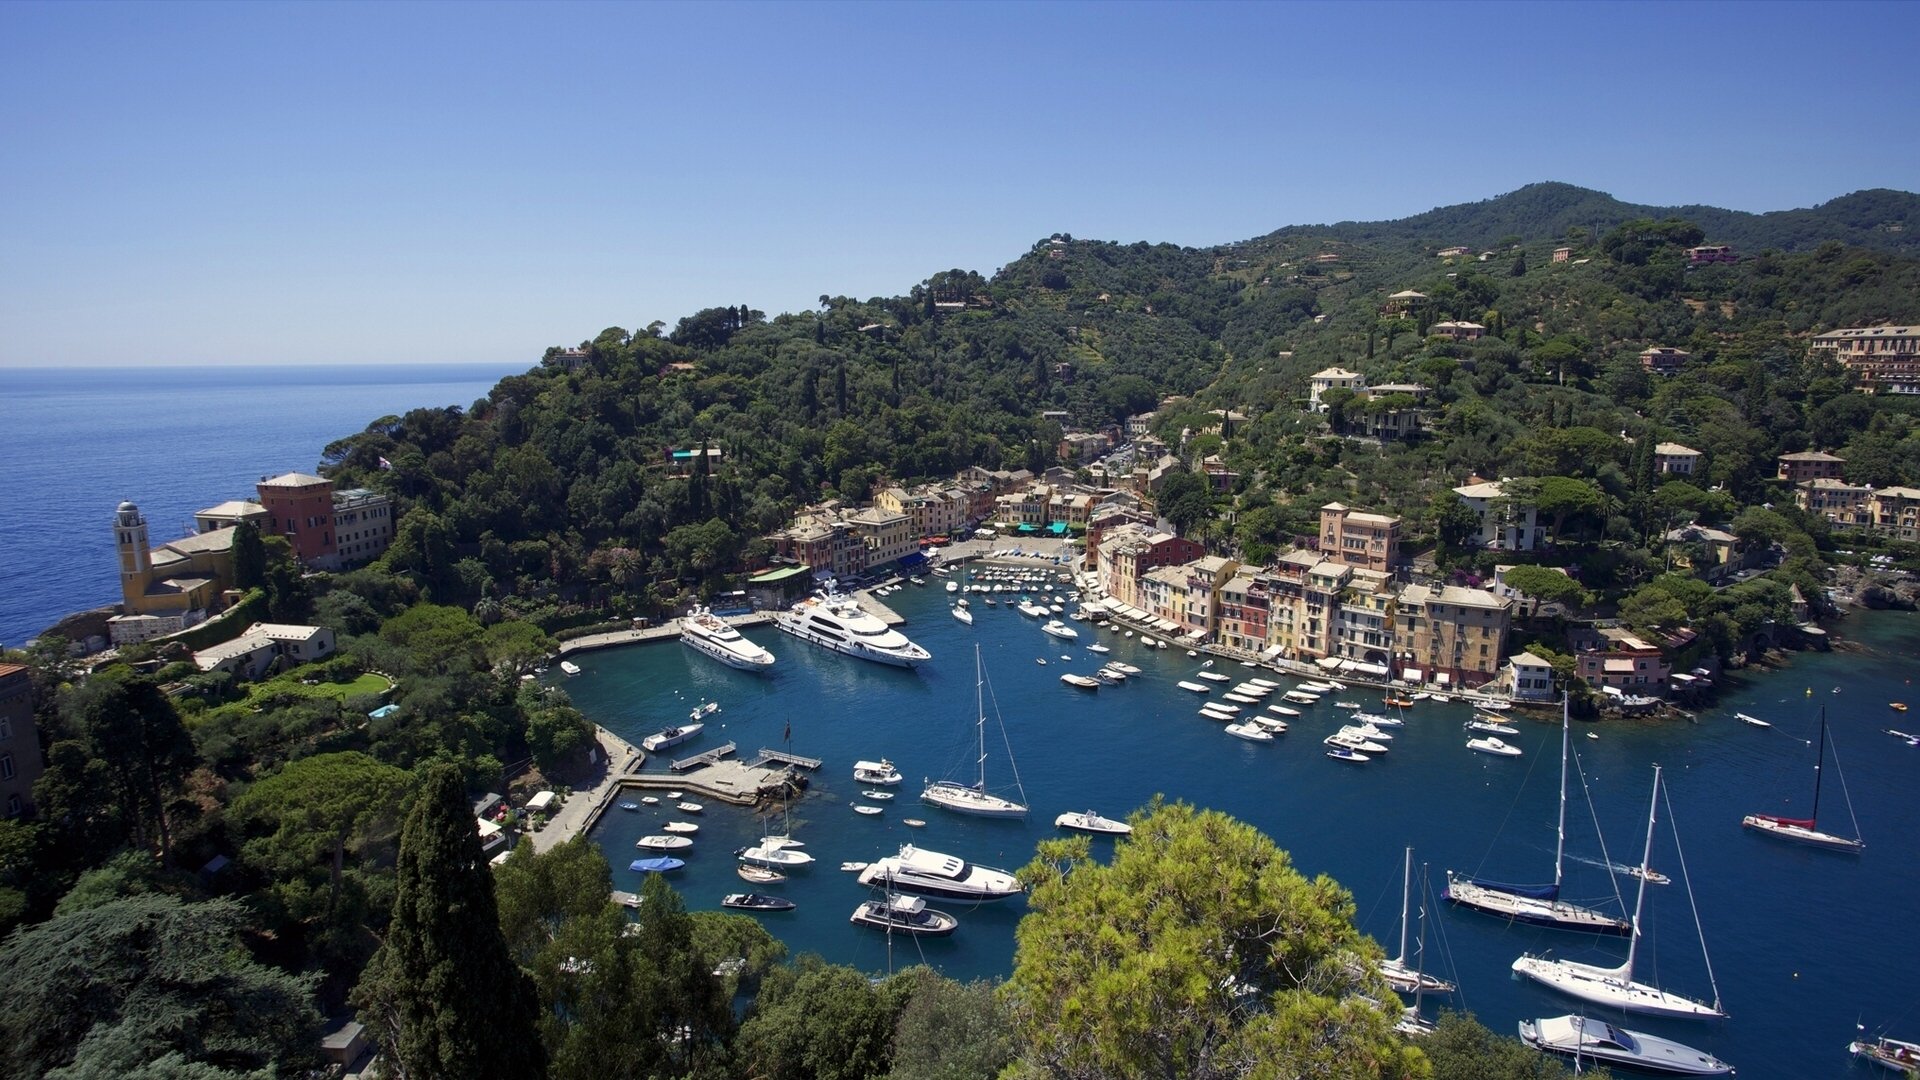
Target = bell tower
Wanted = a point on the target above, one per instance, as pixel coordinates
(136, 564)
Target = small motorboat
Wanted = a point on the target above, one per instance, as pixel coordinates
(1060, 630)
(688, 807)
(1492, 745)
(751, 901)
(685, 827)
(1092, 823)
(1040, 660)
(1273, 724)
(629, 805)
(774, 858)
(1495, 706)
(1347, 740)
(1493, 727)
(963, 615)
(1896, 706)
(877, 796)
(1214, 677)
(1397, 702)
(1127, 668)
(570, 668)
(853, 867)
(1593, 735)
(906, 915)
(876, 772)
(657, 865)
(1096, 647)
(649, 800)
(1283, 710)
(1354, 705)
(1193, 652)
(862, 808)
(1198, 688)
(1342, 753)
(676, 795)
(913, 823)
(1754, 720)
(1081, 681)
(662, 842)
(759, 875)
(1250, 731)
(705, 708)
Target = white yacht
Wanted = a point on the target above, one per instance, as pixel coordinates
(838, 623)
(974, 798)
(673, 736)
(1060, 630)
(1586, 1039)
(876, 772)
(932, 873)
(705, 632)
(1092, 823)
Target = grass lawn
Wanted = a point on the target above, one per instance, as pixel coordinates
(290, 685)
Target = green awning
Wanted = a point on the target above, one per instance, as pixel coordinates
(772, 577)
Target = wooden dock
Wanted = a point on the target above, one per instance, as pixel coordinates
(768, 757)
(710, 757)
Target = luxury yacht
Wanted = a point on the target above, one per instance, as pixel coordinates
(840, 624)
(704, 631)
(931, 873)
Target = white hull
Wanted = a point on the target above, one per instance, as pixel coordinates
(1801, 835)
(1607, 986)
(1588, 1040)
(840, 624)
(1092, 823)
(962, 799)
(704, 633)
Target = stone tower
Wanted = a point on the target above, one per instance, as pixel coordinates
(136, 565)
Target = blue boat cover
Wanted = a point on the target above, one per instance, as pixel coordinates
(1536, 892)
(656, 865)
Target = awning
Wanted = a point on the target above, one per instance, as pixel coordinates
(1442, 677)
(1196, 635)
(1410, 674)
(913, 559)
(1112, 604)
(1167, 625)
(541, 801)
(1328, 662)
(1271, 652)
(1364, 668)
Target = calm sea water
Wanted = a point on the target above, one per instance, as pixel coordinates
(1804, 944)
(74, 443)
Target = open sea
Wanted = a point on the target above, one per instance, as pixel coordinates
(1803, 944)
(75, 442)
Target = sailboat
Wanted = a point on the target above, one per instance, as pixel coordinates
(1539, 905)
(1401, 977)
(1614, 986)
(975, 798)
(1803, 830)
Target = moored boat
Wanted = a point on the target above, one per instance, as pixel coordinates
(704, 632)
(1492, 745)
(661, 842)
(933, 873)
(570, 668)
(1060, 630)
(1250, 731)
(841, 624)
(670, 737)
(782, 858)
(1090, 822)
(904, 915)
(759, 875)
(658, 865)
(1585, 1038)
(1896, 1054)
(747, 901)
(876, 772)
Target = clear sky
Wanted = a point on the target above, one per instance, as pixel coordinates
(360, 183)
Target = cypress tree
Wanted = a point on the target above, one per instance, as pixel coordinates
(249, 557)
(442, 995)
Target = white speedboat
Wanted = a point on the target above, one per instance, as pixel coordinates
(1240, 699)
(1250, 731)
(660, 842)
(1092, 823)
(1271, 723)
(963, 615)
(782, 858)
(1033, 610)
(838, 623)
(1754, 720)
(904, 915)
(570, 668)
(1128, 668)
(1060, 630)
(953, 586)
(687, 827)
(1492, 745)
(1214, 676)
(932, 873)
(1198, 688)
(1098, 648)
(1081, 681)
(672, 736)
(876, 772)
(704, 632)
(1584, 1038)
(1344, 741)
(1283, 710)
(1268, 683)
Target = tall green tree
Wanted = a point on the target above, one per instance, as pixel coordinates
(145, 982)
(120, 729)
(249, 557)
(1198, 952)
(442, 997)
(310, 817)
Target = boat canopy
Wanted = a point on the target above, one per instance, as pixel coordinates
(1798, 823)
(1535, 892)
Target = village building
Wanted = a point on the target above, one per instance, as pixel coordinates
(1798, 468)
(1333, 378)
(1896, 513)
(1840, 504)
(1449, 634)
(1673, 459)
(1506, 524)
(328, 530)
(1707, 254)
(20, 761)
(1405, 302)
(1360, 539)
(1882, 359)
(169, 588)
(250, 655)
(1529, 678)
(1663, 360)
(1457, 331)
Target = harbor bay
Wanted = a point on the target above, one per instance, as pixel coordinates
(1803, 944)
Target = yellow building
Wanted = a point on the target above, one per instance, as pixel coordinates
(1449, 634)
(171, 587)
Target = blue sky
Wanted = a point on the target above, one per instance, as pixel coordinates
(361, 183)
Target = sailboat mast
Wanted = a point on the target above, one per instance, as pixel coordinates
(980, 708)
(1819, 760)
(1646, 859)
(1560, 831)
(1406, 889)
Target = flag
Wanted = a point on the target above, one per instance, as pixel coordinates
(787, 736)
(385, 464)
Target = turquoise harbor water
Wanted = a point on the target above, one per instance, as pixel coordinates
(1804, 944)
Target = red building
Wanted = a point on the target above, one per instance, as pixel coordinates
(300, 508)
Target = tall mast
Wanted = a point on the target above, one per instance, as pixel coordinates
(1560, 831)
(1406, 887)
(1646, 856)
(980, 707)
(1818, 760)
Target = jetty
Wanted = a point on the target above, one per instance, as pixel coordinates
(768, 757)
(705, 758)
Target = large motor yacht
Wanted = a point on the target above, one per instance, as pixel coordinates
(704, 631)
(840, 624)
(931, 873)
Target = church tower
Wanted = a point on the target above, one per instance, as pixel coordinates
(136, 564)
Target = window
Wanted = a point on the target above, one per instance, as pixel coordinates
(6, 727)
(6, 767)
(14, 806)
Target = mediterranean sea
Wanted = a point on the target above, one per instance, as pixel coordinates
(75, 442)
(1803, 944)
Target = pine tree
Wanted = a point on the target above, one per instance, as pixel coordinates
(442, 996)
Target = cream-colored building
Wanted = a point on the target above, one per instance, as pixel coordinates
(166, 589)
(1363, 623)
(1505, 525)
(1450, 635)
(1806, 465)
(252, 653)
(1673, 459)
(1333, 378)
(1883, 359)
(1840, 504)
(1896, 513)
(886, 535)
